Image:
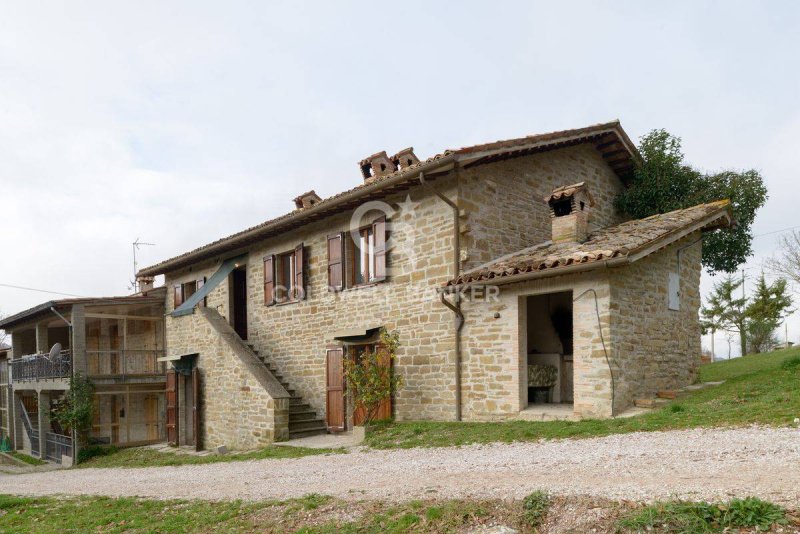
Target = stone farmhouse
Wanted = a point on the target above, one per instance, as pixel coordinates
(516, 288)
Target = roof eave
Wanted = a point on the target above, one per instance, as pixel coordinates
(707, 224)
(439, 165)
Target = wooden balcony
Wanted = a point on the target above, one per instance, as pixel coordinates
(125, 365)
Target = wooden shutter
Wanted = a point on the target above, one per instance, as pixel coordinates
(200, 283)
(269, 280)
(379, 234)
(196, 408)
(336, 262)
(178, 295)
(299, 281)
(172, 407)
(334, 395)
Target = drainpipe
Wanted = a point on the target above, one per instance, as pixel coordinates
(456, 306)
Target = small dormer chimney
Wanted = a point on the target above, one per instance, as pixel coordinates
(306, 200)
(569, 213)
(405, 158)
(377, 165)
(145, 283)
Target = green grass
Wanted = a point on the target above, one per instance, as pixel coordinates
(147, 457)
(758, 389)
(309, 514)
(681, 516)
(21, 456)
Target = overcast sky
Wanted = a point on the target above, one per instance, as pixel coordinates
(179, 123)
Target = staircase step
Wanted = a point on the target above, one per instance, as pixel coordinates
(667, 394)
(294, 434)
(299, 407)
(308, 424)
(305, 415)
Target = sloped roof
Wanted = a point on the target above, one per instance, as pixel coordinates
(625, 242)
(609, 138)
(152, 296)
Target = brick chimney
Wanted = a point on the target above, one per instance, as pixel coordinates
(377, 165)
(405, 158)
(306, 200)
(569, 213)
(145, 283)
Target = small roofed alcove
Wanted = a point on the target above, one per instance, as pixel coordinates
(549, 348)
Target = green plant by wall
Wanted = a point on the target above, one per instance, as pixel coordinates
(371, 379)
(77, 410)
(534, 508)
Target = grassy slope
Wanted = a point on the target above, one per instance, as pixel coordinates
(146, 457)
(312, 513)
(758, 389)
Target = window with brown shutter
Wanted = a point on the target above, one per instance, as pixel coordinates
(336, 262)
(269, 280)
(299, 282)
(178, 300)
(378, 273)
(198, 285)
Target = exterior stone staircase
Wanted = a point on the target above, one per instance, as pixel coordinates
(303, 420)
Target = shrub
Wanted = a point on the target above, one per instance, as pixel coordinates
(94, 451)
(791, 364)
(681, 516)
(534, 507)
(371, 378)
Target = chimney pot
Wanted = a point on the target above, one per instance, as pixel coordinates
(376, 165)
(569, 212)
(145, 283)
(405, 158)
(306, 200)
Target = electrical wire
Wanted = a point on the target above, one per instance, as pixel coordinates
(603, 342)
(41, 290)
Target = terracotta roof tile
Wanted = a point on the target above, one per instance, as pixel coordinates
(237, 240)
(622, 240)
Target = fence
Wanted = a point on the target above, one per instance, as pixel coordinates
(41, 366)
(56, 446)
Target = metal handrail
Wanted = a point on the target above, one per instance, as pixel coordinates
(41, 366)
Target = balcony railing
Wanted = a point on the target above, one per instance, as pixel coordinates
(41, 367)
(124, 363)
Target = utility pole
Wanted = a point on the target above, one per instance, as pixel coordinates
(136, 244)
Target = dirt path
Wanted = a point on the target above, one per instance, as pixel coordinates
(695, 464)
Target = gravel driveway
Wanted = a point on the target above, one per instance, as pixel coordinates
(696, 464)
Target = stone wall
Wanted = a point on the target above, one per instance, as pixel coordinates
(294, 336)
(495, 348)
(242, 405)
(656, 348)
(504, 205)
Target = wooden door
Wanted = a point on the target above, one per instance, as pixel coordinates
(385, 408)
(151, 417)
(196, 408)
(334, 402)
(114, 419)
(239, 279)
(114, 346)
(172, 407)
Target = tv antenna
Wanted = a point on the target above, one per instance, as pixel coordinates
(136, 244)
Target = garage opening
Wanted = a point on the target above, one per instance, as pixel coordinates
(549, 351)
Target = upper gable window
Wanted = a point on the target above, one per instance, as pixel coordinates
(357, 258)
(182, 292)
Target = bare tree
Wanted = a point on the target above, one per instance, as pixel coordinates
(787, 264)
